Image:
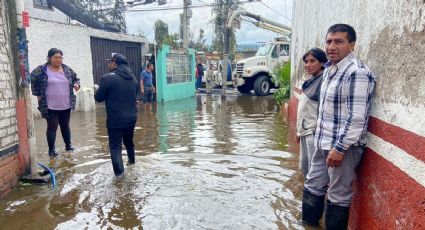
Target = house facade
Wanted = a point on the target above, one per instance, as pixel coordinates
(85, 49)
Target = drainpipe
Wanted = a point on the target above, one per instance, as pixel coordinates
(25, 85)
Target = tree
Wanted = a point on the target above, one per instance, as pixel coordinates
(162, 36)
(161, 32)
(200, 42)
(221, 11)
(108, 12)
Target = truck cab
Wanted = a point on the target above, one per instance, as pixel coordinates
(256, 73)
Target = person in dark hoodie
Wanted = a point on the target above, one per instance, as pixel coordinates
(119, 91)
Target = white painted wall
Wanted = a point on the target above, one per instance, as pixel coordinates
(45, 14)
(8, 122)
(74, 41)
(391, 41)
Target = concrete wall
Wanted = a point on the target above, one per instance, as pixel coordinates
(391, 40)
(9, 142)
(176, 91)
(74, 41)
(46, 14)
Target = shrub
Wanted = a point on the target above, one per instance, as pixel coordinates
(283, 74)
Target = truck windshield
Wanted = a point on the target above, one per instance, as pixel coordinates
(264, 49)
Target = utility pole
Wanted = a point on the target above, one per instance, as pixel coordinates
(25, 85)
(225, 50)
(185, 23)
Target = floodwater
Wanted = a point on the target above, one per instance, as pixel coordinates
(202, 163)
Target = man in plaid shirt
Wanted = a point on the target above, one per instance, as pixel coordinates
(345, 99)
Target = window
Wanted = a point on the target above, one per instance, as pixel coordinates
(42, 4)
(179, 68)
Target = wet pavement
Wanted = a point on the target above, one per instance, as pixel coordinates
(202, 163)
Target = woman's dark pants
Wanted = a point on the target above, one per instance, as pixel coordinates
(61, 118)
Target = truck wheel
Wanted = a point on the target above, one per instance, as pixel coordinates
(244, 88)
(262, 86)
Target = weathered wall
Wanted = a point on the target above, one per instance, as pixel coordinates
(74, 41)
(45, 14)
(391, 40)
(9, 143)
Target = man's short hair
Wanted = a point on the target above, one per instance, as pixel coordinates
(149, 65)
(344, 28)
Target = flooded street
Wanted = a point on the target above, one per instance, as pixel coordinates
(202, 163)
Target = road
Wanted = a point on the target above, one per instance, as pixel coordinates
(202, 163)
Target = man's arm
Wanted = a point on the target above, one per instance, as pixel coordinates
(100, 94)
(360, 92)
(142, 86)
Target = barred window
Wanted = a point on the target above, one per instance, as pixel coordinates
(42, 4)
(179, 68)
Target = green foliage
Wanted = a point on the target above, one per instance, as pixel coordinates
(199, 45)
(221, 11)
(162, 36)
(161, 32)
(283, 73)
(105, 11)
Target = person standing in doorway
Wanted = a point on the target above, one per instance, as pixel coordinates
(199, 74)
(54, 83)
(340, 138)
(308, 105)
(119, 91)
(146, 86)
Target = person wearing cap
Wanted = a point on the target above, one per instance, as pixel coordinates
(118, 89)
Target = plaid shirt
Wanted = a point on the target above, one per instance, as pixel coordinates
(345, 99)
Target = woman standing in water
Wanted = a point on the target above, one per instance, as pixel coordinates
(308, 105)
(54, 83)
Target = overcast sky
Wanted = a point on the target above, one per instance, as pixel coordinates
(277, 10)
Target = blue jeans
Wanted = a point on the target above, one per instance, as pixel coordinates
(198, 83)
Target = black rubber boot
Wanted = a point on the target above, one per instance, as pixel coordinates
(336, 217)
(51, 138)
(312, 208)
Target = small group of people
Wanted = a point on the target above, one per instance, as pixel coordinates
(54, 83)
(332, 118)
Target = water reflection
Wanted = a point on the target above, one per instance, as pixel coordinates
(204, 162)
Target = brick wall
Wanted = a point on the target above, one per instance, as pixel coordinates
(9, 143)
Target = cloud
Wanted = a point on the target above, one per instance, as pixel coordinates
(201, 18)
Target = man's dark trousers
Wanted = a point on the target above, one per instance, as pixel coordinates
(116, 137)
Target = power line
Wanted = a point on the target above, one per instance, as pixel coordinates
(276, 11)
(181, 7)
(169, 8)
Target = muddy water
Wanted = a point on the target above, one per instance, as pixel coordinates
(202, 163)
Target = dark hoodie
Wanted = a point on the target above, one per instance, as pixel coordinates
(118, 89)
